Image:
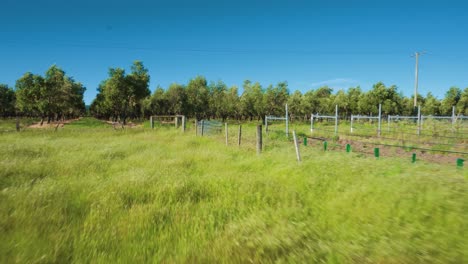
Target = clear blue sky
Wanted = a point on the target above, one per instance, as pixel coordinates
(307, 43)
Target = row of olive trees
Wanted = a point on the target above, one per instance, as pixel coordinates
(53, 96)
(121, 95)
(215, 100)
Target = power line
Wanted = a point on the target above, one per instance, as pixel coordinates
(126, 46)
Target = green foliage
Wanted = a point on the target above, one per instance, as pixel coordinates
(431, 105)
(323, 104)
(92, 194)
(251, 100)
(29, 96)
(389, 97)
(55, 95)
(197, 97)
(122, 95)
(295, 106)
(452, 96)
(275, 98)
(215, 101)
(7, 101)
(462, 104)
(342, 101)
(176, 99)
(354, 94)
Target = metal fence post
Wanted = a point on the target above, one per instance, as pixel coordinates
(380, 119)
(312, 123)
(388, 123)
(296, 145)
(453, 116)
(336, 120)
(419, 120)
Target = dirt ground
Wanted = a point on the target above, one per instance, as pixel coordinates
(119, 125)
(65, 122)
(52, 124)
(367, 148)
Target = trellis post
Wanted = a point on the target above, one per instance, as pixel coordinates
(336, 120)
(380, 119)
(419, 120)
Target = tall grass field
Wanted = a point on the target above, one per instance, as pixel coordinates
(88, 193)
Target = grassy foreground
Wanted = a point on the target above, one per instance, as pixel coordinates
(92, 194)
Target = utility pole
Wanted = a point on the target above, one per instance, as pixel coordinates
(416, 54)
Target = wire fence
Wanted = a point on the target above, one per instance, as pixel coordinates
(209, 127)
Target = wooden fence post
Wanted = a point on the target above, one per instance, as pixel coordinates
(151, 122)
(226, 128)
(239, 136)
(183, 123)
(202, 127)
(17, 124)
(259, 139)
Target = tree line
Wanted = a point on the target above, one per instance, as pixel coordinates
(125, 96)
(53, 96)
(215, 100)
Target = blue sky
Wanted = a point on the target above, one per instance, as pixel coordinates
(306, 43)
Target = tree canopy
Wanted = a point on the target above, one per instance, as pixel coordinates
(121, 96)
(54, 96)
(7, 101)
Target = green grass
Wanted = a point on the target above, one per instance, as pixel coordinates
(87, 122)
(9, 125)
(92, 194)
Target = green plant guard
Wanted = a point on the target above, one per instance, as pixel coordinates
(376, 152)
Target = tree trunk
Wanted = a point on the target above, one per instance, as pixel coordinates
(17, 124)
